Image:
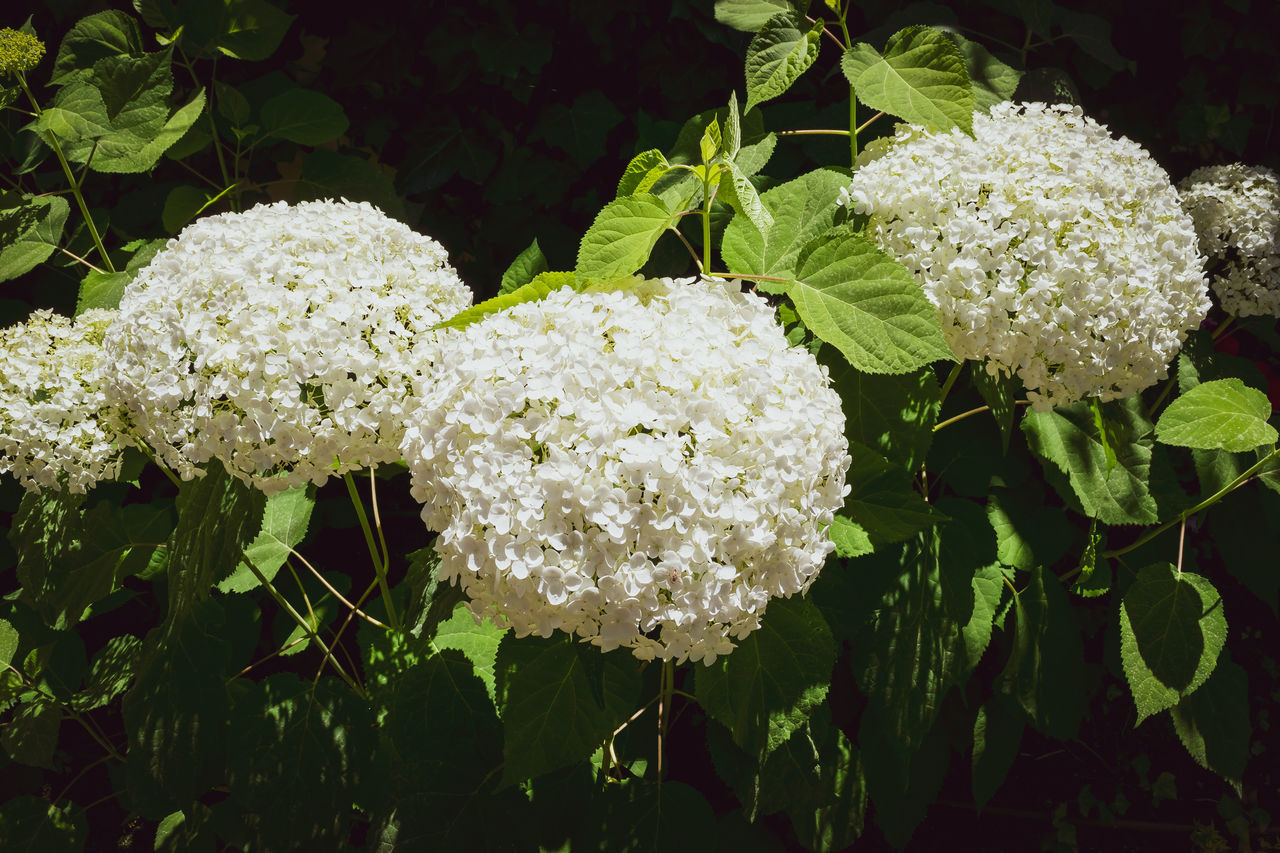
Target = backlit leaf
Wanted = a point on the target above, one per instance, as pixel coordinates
(1221, 415)
(921, 78)
(781, 51)
(623, 234)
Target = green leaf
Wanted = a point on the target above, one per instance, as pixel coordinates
(543, 283)
(866, 304)
(114, 668)
(31, 735)
(478, 642)
(1027, 531)
(303, 116)
(579, 129)
(921, 78)
(101, 290)
(253, 30)
(992, 80)
(553, 713)
(835, 821)
(988, 592)
(527, 265)
(328, 174)
(1044, 670)
(1213, 722)
(284, 524)
(739, 193)
(1067, 442)
(8, 642)
(298, 754)
(997, 733)
(30, 231)
(802, 209)
(644, 170)
(998, 392)
(109, 33)
(647, 817)
(781, 51)
(883, 499)
(181, 206)
(623, 234)
(893, 415)
(1221, 415)
(732, 129)
(232, 104)
(773, 680)
(711, 143)
(34, 823)
(851, 540)
(749, 15)
(1172, 629)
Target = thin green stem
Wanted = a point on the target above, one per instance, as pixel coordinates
(1207, 502)
(379, 567)
(950, 381)
(1223, 326)
(706, 225)
(814, 132)
(871, 121)
(213, 127)
(377, 518)
(666, 688)
(972, 412)
(52, 139)
(337, 635)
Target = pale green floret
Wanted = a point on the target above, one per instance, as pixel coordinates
(19, 51)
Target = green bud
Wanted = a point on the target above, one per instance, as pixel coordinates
(18, 51)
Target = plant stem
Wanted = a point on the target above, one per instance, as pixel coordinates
(950, 381)
(1187, 513)
(666, 688)
(814, 132)
(379, 568)
(52, 139)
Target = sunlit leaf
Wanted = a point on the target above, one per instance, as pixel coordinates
(781, 51)
(921, 78)
(1221, 415)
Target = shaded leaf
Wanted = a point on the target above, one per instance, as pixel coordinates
(34, 823)
(303, 116)
(328, 174)
(285, 518)
(30, 230)
(31, 734)
(1172, 629)
(113, 670)
(997, 733)
(1044, 671)
(883, 500)
(1213, 722)
(103, 34)
(992, 80)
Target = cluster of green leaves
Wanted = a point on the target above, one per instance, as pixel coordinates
(172, 646)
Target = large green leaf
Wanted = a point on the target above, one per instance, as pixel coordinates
(298, 753)
(748, 15)
(623, 234)
(997, 733)
(1069, 442)
(303, 116)
(1172, 629)
(772, 681)
(921, 78)
(644, 170)
(992, 80)
(284, 524)
(866, 304)
(1221, 415)
(30, 736)
(739, 193)
(781, 51)
(539, 287)
(479, 642)
(802, 209)
(114, 668)
(30, 229)
(1044, 672)
(109, 33)
(556, 707)
(1213, 722)
(883, 500)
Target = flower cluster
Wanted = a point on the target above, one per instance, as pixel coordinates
(644, 468)
(19, 51)
(279, 340)
(1236, 210)
(1050, 248)
(56, 426)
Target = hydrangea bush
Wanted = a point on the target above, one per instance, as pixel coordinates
(1236, 210)
(645, 468)
(1051, 249)
(279, 340)
(784, 485)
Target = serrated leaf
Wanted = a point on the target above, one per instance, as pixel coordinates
(109, 33)
(1172, 629)
(303, 116)
(543, 283)
(31, 735)
(767, 687)
(644, 170)
(1213, 722)
(1067, 440)
(527, 265)
(992, 80)
(623, 234)
(34, 823)
(781, 51)
(710, 144)
(30, 231)
(988, 591)
(285, 518)
(479, 642)
(113, 670)
(732, 137)
(1027, 531)
(253, 29)
(921, 78)
(850, 539)
(998, 392)
(883, 499)
(739, 193)
(866, 304)
(101, 290)
(1044, 672)
(893, 415)
(328, 174)
(553, 716)
(748, 15)
(1221, 415)
(802, 209)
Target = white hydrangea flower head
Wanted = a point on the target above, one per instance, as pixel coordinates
(279, 340)
(57, 430)
(1236, 210)
(1050, 248)
(644, 468)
